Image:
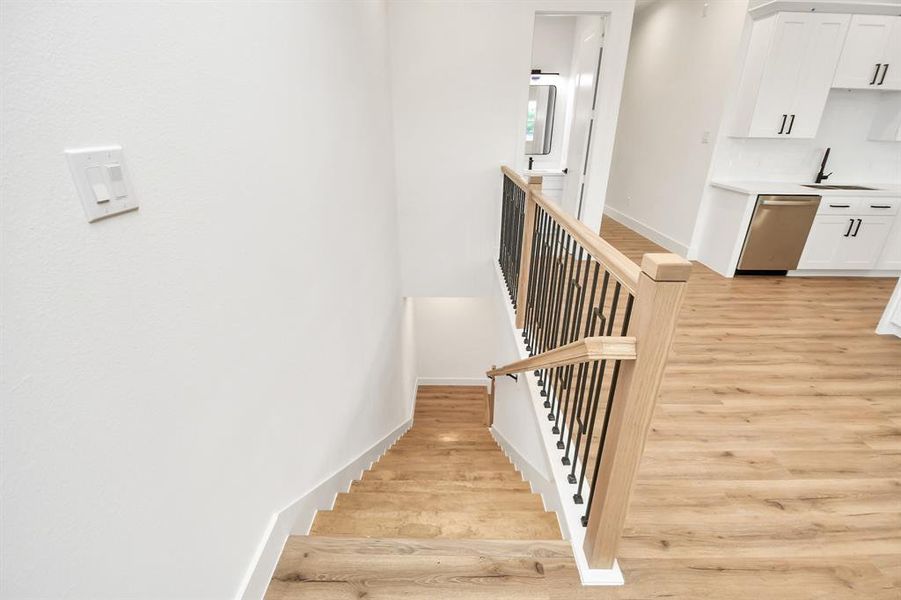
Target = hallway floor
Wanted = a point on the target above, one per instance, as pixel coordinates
(773, 467)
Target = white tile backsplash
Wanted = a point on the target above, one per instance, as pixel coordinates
(845, 125)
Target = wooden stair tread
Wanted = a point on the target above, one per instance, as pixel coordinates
(482, 501)
(437, 485)
(379, 569)
(444, 475)
(516, 525)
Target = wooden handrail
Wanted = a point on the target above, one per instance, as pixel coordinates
(618, 264)
(584, 350)
(515, 178)
(656, 289)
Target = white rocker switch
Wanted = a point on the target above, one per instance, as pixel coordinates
(117, 180)
(98, 185)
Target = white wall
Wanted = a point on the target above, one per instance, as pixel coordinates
(844, 127)
(681, 64)
(455, 338)
(174, 376)
(460, 87)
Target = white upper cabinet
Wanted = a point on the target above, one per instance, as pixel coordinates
(871, 57)
(788, 73)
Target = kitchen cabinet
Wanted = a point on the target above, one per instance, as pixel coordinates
(891, 252)
(788, 73)
(825, 242)
(866, 238)
(871, 56)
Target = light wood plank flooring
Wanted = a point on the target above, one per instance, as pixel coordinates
(773, 465)
(773, 468)
(445, 478)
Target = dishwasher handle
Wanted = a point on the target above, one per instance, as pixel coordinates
(790, 202)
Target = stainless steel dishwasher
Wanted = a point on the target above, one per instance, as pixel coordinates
(777, 233)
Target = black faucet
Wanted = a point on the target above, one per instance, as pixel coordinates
(823, 176)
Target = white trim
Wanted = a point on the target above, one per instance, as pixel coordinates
(843, 273)
(649, 232)
(888, 324)
(568, 512)
(482, 381)
(829, 6)
(537, 481)
(297, 517)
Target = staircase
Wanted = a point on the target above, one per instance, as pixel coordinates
(442, 514)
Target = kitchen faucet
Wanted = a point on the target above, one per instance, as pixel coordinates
(821, 176)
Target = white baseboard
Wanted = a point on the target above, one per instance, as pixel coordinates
(649, 232)
(482, 381)
(569, 513)
(843, 273)
(297, 517)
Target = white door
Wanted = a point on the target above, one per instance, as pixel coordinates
(862, 57)
(824, 242)
(862, 249)
(891, 76)
(781, 74)
(586, 71)
(827, 32)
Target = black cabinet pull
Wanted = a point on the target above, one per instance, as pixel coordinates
(876, 74)
(880, 206)
(857, 230)
(884, 71)
(839, 206)
(781, 129)
(850, 226)
(790, 125)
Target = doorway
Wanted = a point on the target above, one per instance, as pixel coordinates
(567, 50)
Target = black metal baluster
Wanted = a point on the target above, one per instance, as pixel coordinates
(597, 382)
(519, 215)
(533, 279)
(550, 310)
(546, 266)
(570, 331)
(562, 290)
(580, 379)
(610, 394)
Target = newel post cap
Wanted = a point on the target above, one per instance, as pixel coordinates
(665, 266)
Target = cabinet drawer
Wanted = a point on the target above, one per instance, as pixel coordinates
(880, 206)
(839, 206)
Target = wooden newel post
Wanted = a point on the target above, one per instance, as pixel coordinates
(525, 257)
(658, 299)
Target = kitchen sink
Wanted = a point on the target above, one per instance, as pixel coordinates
(826, 186)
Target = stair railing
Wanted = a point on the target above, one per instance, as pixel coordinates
(598, 329)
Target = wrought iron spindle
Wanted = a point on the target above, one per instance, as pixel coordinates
(610, 394)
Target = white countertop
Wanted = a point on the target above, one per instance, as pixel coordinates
(788, 188)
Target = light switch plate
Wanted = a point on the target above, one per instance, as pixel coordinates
(108, 160)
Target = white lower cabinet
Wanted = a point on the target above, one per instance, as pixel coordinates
(847, 242)
(891, 252)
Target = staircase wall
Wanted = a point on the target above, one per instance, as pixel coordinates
(174, 376)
